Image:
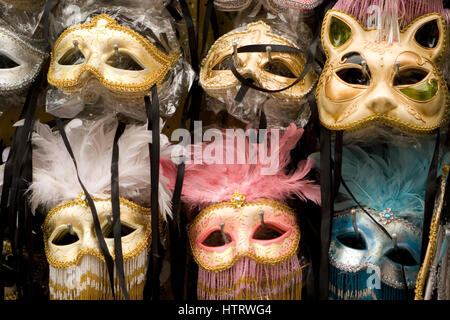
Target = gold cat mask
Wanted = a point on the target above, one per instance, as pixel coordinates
(90, 50)
(276, 73)
(366, 80)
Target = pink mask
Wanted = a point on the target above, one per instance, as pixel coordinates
(246, 250)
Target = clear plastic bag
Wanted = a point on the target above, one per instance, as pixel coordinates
(280, 109)
(151, 20)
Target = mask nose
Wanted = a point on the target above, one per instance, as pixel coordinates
(247, 73)
(381, 105)
(243, 245)
(89, 240)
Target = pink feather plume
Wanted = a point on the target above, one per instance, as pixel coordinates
(205, 183)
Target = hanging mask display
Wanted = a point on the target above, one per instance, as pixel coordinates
(116, 55)
(375, 249)
(20, 63)
(269, 69)
(433, 281)
(398, 83)
(77, 266)
(245, 239)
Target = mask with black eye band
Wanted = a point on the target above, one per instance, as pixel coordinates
(274, 66)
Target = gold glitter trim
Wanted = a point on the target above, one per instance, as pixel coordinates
(261, 202)
(145, 243)
(237, 199)
(166, 61)
(431, 249)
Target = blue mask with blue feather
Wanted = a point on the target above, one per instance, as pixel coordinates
(389, 182)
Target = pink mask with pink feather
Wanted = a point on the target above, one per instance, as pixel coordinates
(245, 240)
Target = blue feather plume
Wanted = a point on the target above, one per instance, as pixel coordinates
(387, 176)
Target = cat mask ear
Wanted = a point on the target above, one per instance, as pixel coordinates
(428, 35)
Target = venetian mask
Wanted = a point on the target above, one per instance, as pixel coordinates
(369, 80)
(20, 62)
(246, 242)
(364, 265)
(121, 59)
(273, 73)
(272, 5)
(77, 267)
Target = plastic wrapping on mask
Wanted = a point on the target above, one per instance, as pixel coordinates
(23, 17)
(279, 114)
(279, 111)
(151, 20)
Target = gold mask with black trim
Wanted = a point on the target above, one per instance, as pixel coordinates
(216, 76)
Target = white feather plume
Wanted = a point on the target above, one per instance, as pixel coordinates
(54, 176)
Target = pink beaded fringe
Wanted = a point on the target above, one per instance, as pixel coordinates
(250, 280)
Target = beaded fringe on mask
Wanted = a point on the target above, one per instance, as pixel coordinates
(89, 279)
(361, 285)
(250, 280)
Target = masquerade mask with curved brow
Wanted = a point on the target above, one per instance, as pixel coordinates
(273, 73)
(366, 79)
(20, 62)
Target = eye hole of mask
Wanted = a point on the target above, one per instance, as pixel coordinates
(64, 238)
(428, 35)
(339, 32)
(72, 57)
(224, 64)
(124, 61)
(409, 76)
(353, 57)
(125, 230)
(279, 68)
(7, 63)
(269, 232)
(401, 256)
(216, 239)
(354, 76)
(352, 241)
(422, 92)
